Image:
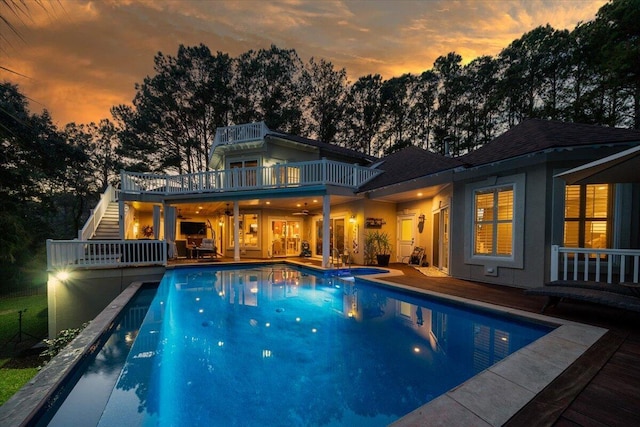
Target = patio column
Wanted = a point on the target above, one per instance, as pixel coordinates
(156, 222)
(326, 232)
(236, 231)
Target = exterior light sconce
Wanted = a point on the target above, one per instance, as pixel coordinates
(352, 220)
(62, 275)
(421, 219)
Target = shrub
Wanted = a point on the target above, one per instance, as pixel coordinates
(54, 345)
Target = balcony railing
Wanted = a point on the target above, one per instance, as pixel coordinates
(598, 265)
(240, 133)
(301, 174)
(105, 253)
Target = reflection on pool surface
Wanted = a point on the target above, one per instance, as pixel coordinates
(277, 345)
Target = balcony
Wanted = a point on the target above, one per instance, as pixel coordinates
(289, 175)
(240, 133)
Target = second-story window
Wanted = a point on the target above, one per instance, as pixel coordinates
(247, 178)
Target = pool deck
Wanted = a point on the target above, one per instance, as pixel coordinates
(601, 388)
(591, 377)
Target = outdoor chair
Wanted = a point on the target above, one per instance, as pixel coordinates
(207, 246)
(181, 248)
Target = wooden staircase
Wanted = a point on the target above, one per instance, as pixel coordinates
(109, 227)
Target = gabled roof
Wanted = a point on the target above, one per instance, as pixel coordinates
(324, 147)
(407, 164)
(536, 135)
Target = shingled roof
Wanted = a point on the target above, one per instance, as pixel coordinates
(407, 164)
(325, 147)
(535, 135)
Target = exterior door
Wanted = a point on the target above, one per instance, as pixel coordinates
(406, 236)
(336, 238)
(441, 239)
(285, 237)
(444, 240)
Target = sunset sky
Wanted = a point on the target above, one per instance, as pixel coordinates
(79, 58)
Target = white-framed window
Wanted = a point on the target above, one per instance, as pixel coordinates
(493, 221)
(247, 178)
(588, 215)
(494, 225)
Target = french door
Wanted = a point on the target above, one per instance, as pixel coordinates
(285, 237)
(336, 236)
(441, 239)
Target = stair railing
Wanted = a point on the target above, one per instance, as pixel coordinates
(95, 215)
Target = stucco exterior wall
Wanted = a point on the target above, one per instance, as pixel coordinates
(533, 240)
(86, 293)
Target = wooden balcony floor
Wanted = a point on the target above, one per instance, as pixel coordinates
(601, 389)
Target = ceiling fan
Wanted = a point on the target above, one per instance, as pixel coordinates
(180, 216)
(304, 212)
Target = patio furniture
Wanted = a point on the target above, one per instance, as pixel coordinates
(181, 248)
(621, 295)
(206, 247)
(417, 257)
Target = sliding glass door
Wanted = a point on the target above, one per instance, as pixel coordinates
(285, 237)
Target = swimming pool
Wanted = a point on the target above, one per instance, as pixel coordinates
(278, 345)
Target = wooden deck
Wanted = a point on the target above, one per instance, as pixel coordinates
(601, 389)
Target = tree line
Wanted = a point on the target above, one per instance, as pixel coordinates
(588, 75)
(50, 178)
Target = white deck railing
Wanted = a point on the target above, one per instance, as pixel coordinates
(91, 225)
(595, 264)
(104, 253)
(299, 174)
(240, 133)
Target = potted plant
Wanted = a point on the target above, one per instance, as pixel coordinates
(370, 248)
(377, 246)
(147, 231)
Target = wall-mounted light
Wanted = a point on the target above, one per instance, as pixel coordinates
(62, 275)
(352, 220)
(421, 218)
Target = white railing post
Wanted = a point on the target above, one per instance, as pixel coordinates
(325, 166)
(49, 255)
(555, 254)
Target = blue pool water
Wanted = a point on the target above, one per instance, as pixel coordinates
(282, 346)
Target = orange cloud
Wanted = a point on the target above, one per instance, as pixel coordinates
(84, 56)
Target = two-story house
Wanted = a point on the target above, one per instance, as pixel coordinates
(510, 213)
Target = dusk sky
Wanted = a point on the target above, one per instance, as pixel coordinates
(80, 58)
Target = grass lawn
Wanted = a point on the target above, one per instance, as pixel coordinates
(15, 369)
(11, 380)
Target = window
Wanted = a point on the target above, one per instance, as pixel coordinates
(248, 231)
(587, 216)
(246, 179)
(493, 224)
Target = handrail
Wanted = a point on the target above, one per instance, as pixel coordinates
(588, 264)
(95, 216)
(72, 254)
(240, 133)
(285, 175)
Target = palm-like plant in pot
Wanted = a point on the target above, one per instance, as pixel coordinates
(378, 247)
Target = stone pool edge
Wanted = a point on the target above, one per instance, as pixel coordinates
(490, 398)
(31, 399)
(496, 394)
